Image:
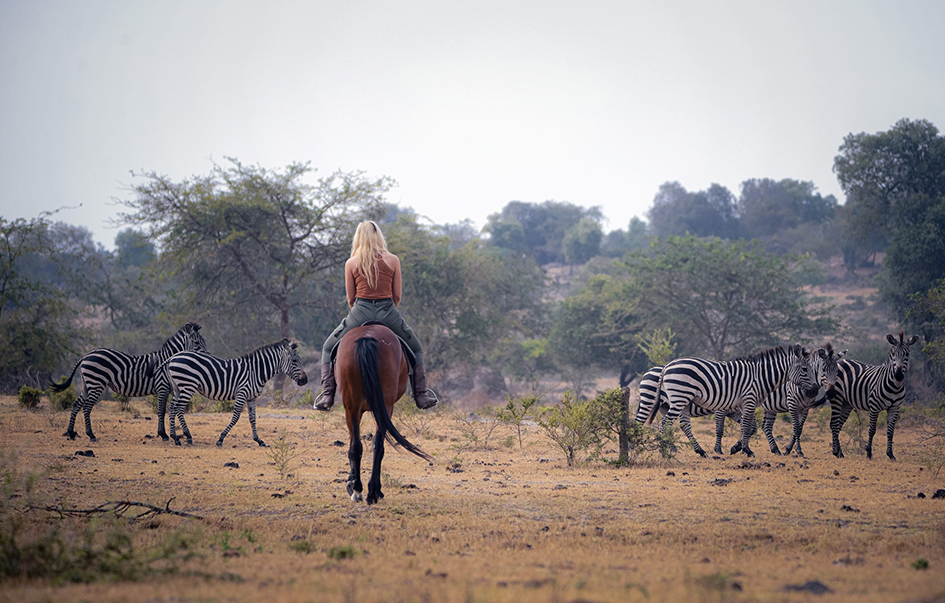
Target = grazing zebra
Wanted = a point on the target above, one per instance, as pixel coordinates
(871, 388)
(822, 367)
(727, 386)
(127, 374)
(239, 379)
(649, 386)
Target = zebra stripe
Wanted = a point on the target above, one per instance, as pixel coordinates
(648, 388)
(239, 379)
(873, 389)
(128, 374)
(726, 386)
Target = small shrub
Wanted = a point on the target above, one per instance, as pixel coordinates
(920, 564)
(225, 406)
(283, 453)
(515, 411)
(152, 402)
(29, 397)
(414, 419)
(302, 546)
(477, 429)
(341, 552)
(124, 402)
(573, 427)
(306, 400)
(62, 400)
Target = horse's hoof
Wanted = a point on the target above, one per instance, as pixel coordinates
(371, 499)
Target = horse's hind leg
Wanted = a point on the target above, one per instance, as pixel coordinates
(355, 450)
(374, 493)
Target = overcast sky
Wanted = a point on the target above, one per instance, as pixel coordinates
(467, 105)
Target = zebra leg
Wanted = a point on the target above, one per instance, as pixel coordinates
(183, 424)
(87, 412)
(252, 423)
(162, 395)
(686, 427)
(749, 427)
(802, 416)
(76, 407)
(374, 493)
(237, 410)
(837, 419)
(874, 416)
(177, 405)
(767, 425)
(892, 415)
(719, 431)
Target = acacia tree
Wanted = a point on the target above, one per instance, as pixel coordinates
(724, 298)
(251, 241)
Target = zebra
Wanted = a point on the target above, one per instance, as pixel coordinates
(727, 386)
(126, 374)
(649, 386)
(822, 367)
(872, 388)
(800, 388)
(240, 379)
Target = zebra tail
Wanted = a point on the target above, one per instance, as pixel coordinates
(58, 387)
(366, 349)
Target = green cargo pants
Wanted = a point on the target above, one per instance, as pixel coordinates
(377, 310)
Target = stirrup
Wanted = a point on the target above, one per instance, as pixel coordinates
(426, 400)
(323, 402)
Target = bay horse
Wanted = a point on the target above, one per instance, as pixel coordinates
(372, 373)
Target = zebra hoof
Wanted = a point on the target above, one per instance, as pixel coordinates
(891, 456)
(164, 437)
(262, 444)
(219, 443)
(702, 453)
(838, 454)
(718, 450)
(190, 441)
(736, 448)
(92, 438)
(776, 451)
(177, 441)
(70, 434)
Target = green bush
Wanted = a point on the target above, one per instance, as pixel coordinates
(574, 426)
(62, 400)
(124, 402)
(29, 397)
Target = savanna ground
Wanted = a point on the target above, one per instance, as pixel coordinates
(482, 523)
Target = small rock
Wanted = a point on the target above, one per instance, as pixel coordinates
(812, 586)
(920, 495)
(560, 487)
(232, 465)
(849, 508)
(277, 495)
(671, 473)
(720, 482)
(85, 453)
(337, 443)
(940, 493)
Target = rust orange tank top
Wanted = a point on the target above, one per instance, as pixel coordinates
(385, 283)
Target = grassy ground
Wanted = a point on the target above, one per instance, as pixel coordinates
(494, 523)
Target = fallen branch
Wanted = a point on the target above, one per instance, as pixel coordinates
(119, 508)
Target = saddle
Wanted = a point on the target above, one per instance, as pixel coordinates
(408, 353)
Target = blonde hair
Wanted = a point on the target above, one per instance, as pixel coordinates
(366, 246)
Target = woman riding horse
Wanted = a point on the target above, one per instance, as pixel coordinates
(373, 289)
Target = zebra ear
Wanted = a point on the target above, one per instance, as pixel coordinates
(822, 353)
(891, 339)
(842, 354)
(912, 340)
(294, 346)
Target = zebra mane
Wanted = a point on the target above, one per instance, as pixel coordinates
(763, 355)
(264, 348)
(829, 348)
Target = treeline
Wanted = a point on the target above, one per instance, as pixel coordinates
(253, 254)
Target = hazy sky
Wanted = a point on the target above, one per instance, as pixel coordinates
(468, 105)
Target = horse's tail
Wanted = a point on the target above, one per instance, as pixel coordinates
(58, 387)
(366, 349)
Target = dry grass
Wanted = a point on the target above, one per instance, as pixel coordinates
(493, 523)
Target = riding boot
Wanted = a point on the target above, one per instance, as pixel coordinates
(425, 398)
(326, 399)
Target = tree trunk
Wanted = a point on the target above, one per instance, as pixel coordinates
(623, 440)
